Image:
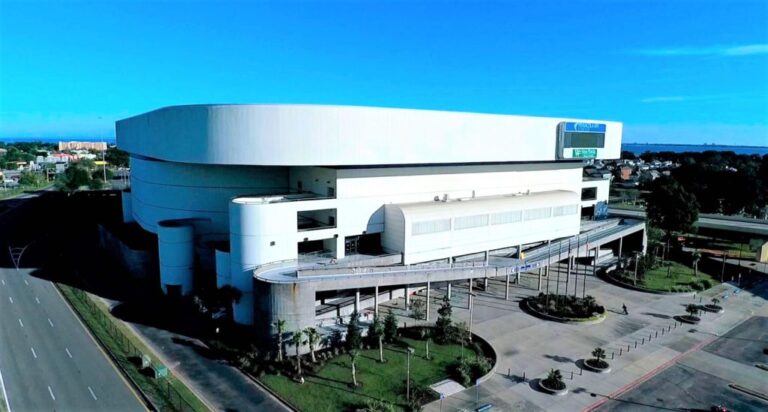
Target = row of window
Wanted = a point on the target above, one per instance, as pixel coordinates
(500, 218)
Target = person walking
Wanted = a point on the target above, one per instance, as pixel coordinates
(623, 306)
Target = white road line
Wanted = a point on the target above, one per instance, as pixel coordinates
(92, 394)
(68, 353)
(37, 300)
(49, 322)
(51, 392)
(21, 323)
(26, 283)
(33, 352)
(5, 394)
(10, 298)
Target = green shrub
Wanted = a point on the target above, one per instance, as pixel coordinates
(707, 283)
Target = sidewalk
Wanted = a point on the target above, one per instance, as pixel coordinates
(527, 345)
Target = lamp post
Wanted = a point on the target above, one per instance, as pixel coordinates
(471, 311)
(408, 379)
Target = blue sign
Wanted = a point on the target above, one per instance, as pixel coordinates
(585, 127)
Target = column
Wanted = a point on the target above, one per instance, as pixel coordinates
(376, 300)
(621, 243)
(357, 300)
(506, 288)
(568, 274)
(485, 284)
(517, 277)
(449, 290)
(428, 286)
(407, 297)
(469, 292)
(539, 280)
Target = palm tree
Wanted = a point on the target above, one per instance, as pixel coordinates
(555, 379)
(715, 301)
(599, 355)
(298, 342)
(280, 325)
(692, 309)
(696, 258)
(353, 354)
(313, 338)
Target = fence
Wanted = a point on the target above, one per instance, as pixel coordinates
(162, 396)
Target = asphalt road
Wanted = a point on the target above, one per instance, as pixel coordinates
(48, 361)
(709, 221)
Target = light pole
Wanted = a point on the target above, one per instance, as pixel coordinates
(408, 379)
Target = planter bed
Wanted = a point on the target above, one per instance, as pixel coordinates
(530, 307)
(712, 308)
(593, 368)
(692, 320)
(552, 391)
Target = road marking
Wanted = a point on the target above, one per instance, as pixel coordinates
(37, 300)
(51, 392)
(33, 352)
(3, 280)
(5, 394)
(49, 322)
(68, 353)
(10, 298)
(26, 283)
(92, 394)
(21, 323)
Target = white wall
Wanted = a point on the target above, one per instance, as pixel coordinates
(603, 191)
(311, 135)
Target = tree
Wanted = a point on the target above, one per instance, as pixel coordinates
(696, 258)
(298, 342)
(390, 327)
(443, 323)
(30, 179)
(116, 157)
(555, 379)
(376, 333)
(670, 207)
(417, 306)
(73, 179)
(599, 354)
(353, 354)
(692, 309)
(280, 325)
(715, 301)
(354, 338)
(313, 338)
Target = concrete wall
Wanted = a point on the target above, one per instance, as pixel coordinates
(137, 262)
(176, 247)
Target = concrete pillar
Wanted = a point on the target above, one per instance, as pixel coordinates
(407, 296)
(449, 290)
(428, 286)
(506, 286)
(485, 283)
(517, 277)
(621, 244)
(357, 300)
(568, 274)
(469, 291)
(376, 300)
(539, 287)
(292, 302)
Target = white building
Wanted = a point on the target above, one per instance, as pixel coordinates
(268, 185)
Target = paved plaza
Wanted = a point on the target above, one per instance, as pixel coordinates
(529, 347)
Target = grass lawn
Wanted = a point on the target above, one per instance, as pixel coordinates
(328, 389)
(680, 276)
(124, 347)
(18, 191)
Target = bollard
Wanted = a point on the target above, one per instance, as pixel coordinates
(523, 376)
(657, 334)
(581, 371)
(509, 372)
(612, 353)
(620, 350)
(635, 344)
(571, 375)
(643, 341)
(662, 332)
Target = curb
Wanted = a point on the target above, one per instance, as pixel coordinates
(570, 321)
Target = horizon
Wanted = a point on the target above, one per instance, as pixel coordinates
(667, 77)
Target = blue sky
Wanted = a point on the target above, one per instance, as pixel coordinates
(672, 71)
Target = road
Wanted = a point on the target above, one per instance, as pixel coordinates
(709, 221)
(48, 360)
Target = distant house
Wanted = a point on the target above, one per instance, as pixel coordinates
(625, 172)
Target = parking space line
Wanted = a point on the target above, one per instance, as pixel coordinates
(37, 300)
(10, 298)
(49, 322)
(21, 323)
(92, 394)
(68, 353)
(51, 392)
(26, 283)
(33, 352)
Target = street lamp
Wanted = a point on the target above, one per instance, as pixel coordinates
(471, 311)
(409, 352)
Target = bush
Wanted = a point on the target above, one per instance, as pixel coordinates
(468, 371)
(707, 283)
(378, 405)
(696, 286)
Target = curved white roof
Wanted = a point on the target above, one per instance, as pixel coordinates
(296, 135)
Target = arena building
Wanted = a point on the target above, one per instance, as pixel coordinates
(296, 205)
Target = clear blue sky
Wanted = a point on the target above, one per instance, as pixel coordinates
(672, 71)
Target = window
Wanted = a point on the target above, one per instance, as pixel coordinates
(468, 222)
(503, 218)
(565, 210)
(589, 193)
(430, 226)
(331, 191)
(539, 213)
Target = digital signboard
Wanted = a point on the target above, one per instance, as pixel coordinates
(580, 140)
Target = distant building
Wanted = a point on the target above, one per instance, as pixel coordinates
(100, 146)
(625, 172)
